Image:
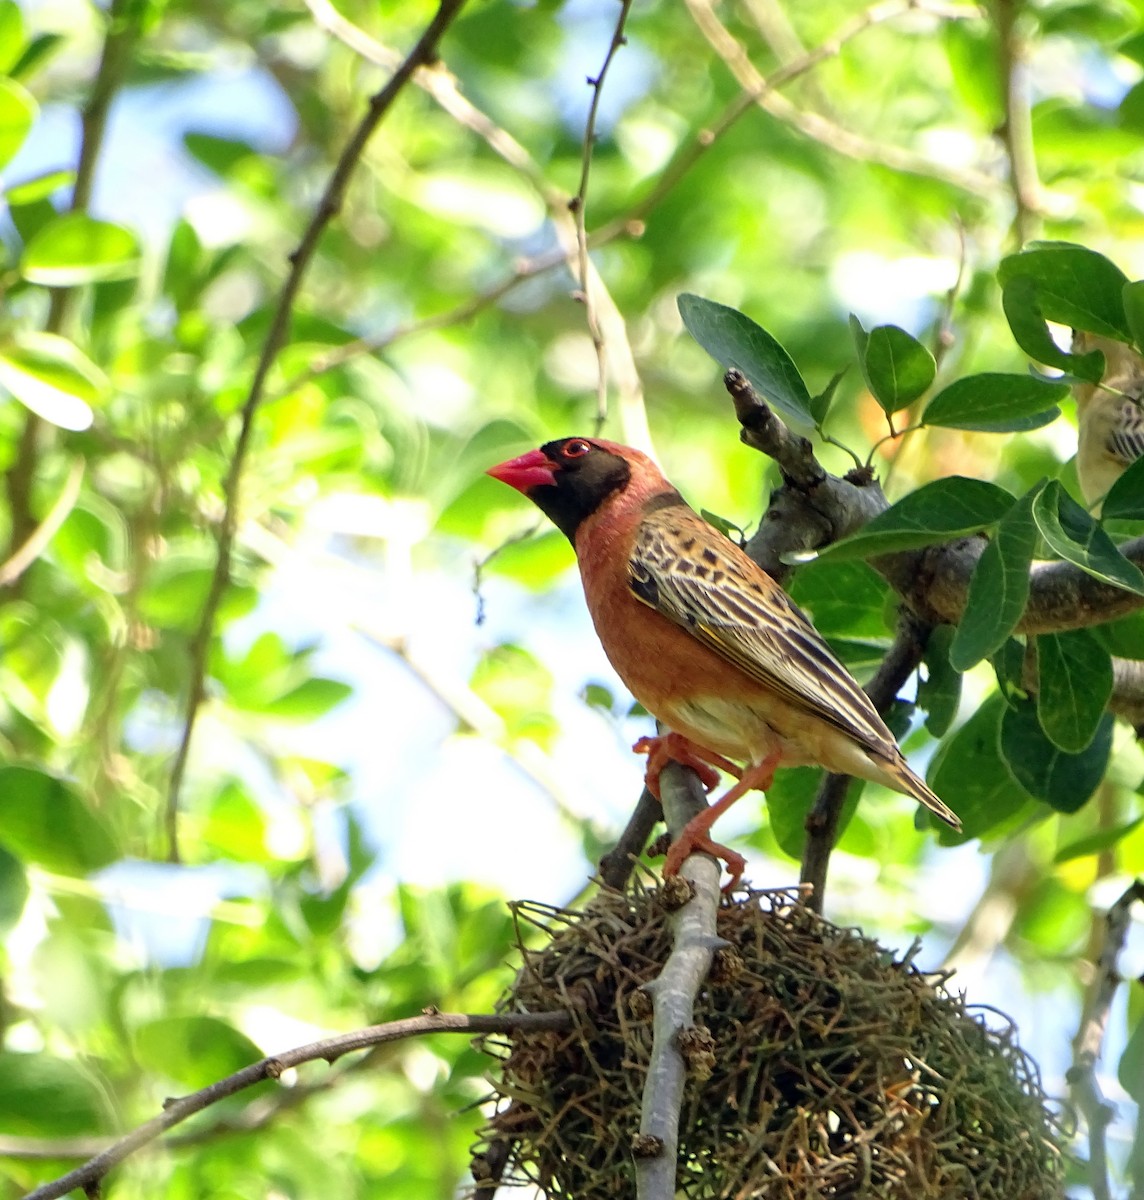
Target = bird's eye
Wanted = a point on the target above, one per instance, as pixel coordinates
(576, 449)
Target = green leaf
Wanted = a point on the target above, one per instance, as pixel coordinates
(309, 700)
(1130, 1070)
(1074, 286)
(999, 588)
(1070, 532)
(43, 820)
(939, 693)
(1133, 297)
(39, 187)
(1074, 684)
(996, 403)
(1064, 781)
(17, 116)
(789, 801)
(1009, 667)
(1125, 499)
(897, 367)
(937, 512)
(820, 404)
(727, 528)
(53, 377)
(1123, 638)
(35, 53)
(193, 1051)
(13, 890)
(969, 774)
(843, 599)
(44, 1096)
(1022, 309)
(76, 248)
(11, 34)
(734, 340)
(1095, 843)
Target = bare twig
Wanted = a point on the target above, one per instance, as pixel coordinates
(616, 865)
(579, 205)
(300, 259)
(1089, 1040)
(761, 429)
(900, 663)
(673, 994)
(330, 1049)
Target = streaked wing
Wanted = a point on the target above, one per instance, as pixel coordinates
(688, 572)
(1126, 439)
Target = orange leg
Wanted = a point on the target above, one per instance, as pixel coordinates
(694, 835)
(674, 747)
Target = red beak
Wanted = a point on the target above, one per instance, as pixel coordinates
(527, 472)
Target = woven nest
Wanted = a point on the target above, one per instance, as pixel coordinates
(834, 1070)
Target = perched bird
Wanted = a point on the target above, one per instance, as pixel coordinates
(704, 638)
(1109, 415)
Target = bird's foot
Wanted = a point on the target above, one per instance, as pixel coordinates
(674, 747)
(695, 834)
(695, 840)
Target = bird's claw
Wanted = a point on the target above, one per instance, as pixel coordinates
(674, 747)
(689, 843)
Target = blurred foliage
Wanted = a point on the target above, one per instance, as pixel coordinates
(861, 242)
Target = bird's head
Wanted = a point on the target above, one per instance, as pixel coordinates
(570, 478)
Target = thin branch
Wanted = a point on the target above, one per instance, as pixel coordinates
(330, 1049)
(900, 663)
(616, 865)
(1017, 129)
(1089, 1041)
(37, 541)
(764, 431)
(673, 993)
(300, 259)
(578, 206)
(123, 24)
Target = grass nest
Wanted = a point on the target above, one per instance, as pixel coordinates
(836, 1069)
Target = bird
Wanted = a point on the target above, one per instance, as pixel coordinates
(1109, 416)
(704, 638)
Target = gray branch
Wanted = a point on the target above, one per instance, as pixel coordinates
(673, 994)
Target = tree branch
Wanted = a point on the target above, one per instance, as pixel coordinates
(299, 259)
(900, 663)
(616, 866)
(673, 993)
(1089, 1041)
(330, 1049)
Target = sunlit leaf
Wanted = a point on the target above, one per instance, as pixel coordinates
(17, 115)
(51, 376)
(42, 1095)
(76, 248)
(193, 1051)
(734, 340)
(13, 889)
(43, 820)
(1097, 843)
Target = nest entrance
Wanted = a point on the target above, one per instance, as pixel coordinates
(835, 1070)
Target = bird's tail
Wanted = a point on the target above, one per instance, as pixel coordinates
(902, 779)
